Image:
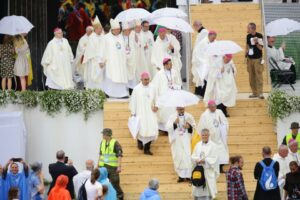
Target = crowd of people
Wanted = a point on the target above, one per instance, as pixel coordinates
(278, 177)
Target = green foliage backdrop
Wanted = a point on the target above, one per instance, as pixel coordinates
(52, 101)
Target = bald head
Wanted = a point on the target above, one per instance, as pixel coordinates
(89, 164)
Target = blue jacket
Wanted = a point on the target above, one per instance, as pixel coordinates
(103, 179)
(149, 194)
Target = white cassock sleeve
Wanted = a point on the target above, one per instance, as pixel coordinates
(133, 102)
(48, 56)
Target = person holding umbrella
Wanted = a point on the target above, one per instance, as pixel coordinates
(221, 83)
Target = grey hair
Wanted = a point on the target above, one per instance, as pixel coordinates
(282, 147)
(205, 130)
(154, 184)
(89, 28)
(60, 154)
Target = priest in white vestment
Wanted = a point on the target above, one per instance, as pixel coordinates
(137, 50)
(202, 32)
(205, 154)
(200, 63)
(293, 150)
(147, 43)
(143, 106)
(215, 121)
(131, 70)
(284, 159)
(81, 47)
(175, 55)
(57, 62)
(165, 46)
(221, 84)
(114, 58)
(180, 129)
(93, 70)
(167, 78)
(80, 178)
(283, 62)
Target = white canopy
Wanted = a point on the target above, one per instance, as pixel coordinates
(223, 47)
(14, 25)
(282, 26)
(174, 24)
(177, 98)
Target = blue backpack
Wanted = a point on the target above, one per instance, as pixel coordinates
(268, 179)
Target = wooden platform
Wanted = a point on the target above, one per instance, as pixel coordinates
(230, 22)
(250, 130)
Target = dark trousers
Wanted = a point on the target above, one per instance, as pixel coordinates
(114, 178)
(146, 146)
(223, 108)
(201, 90)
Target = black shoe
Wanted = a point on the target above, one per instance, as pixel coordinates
(180, 180)
(148, 153)
(187, 180)
(140, 146)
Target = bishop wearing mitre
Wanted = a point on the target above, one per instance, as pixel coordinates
(93, 71)
(57, 62)
(114, 62)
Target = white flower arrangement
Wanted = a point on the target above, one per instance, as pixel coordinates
(53, 101)
(282, 105)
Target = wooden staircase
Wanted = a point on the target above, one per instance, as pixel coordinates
(250, 130)
(230, 21)
(250, 126)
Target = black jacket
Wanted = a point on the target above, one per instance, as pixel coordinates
(59, 168)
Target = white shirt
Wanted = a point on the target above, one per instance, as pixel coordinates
(93, 190)
(80, 178)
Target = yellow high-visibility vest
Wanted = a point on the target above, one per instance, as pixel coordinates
(108, 156)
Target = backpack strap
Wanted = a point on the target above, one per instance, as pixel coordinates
(272, 163)
(262, 164)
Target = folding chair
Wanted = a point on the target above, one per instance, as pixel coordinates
(279, 76)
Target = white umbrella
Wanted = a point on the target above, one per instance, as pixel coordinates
(14, 25)
(133, 14)
(174, 24)
(282, 26)
(168, 12)
(177, 98)
(223, 47)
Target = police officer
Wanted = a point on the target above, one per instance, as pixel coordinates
(110, 157)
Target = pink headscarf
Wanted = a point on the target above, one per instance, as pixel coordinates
(161, 30)
(166, 60)
(145, 75)
(211, 102)
(229, 56)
